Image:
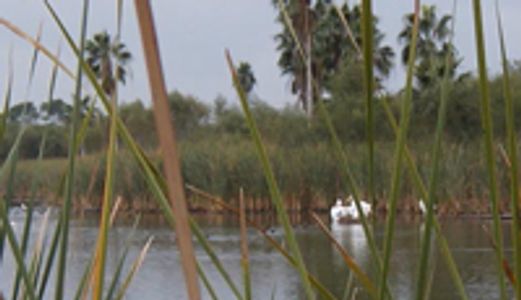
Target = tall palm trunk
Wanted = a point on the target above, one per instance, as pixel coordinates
(309, 80)
(306, 41)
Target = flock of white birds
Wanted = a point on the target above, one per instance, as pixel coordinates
(349, 212)
(341, 212)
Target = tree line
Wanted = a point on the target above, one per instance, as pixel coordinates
(336, 66)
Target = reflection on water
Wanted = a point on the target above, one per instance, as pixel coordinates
(160, 276)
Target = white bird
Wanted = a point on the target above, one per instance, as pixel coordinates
(422, 207)
(366, 207)
(339, 210)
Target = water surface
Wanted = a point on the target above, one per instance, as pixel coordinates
(160, 276)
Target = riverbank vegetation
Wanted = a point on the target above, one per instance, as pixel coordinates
(217, 155)
(434, 140)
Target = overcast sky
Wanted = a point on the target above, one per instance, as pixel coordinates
(194, 33)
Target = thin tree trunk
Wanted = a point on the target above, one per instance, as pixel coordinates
(309, 79)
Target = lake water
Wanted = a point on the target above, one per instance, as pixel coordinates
(160, 276)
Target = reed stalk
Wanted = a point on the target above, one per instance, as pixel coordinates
(422, 290)
(349, 261)
(17, 252)
(512, 154)
(368, 51)
(418, 182)
(3, 125)
(101, 249)
(488, 140)
(69, 186)
(322, 290)
(272, 184)
(168, 146)
(346, 172)
(133, 269)
(398, 153)
(244, 248)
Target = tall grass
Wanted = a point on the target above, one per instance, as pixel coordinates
(69, 186)
(168, 145)
(369, 81)
(400, 145)
(169, 191)
(422, 290)
(349, 178)
(488, 140)
(512, 151)
(272, 184)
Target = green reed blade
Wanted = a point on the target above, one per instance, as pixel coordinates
(323, 292)
(214, 258)
(7, 101)
(101, 251)
(150, 174)
(488, 140)
(348, 291)
(367, 46)
(49, 261)
(245, 257)
(433, 180)
(39, 248)
(34, 60)
(54, 76)
(121, 263)
(133, 270)
(270, 178)
(442, 241)
(84, 282)
(512, 153)
(116, 277)
(66, 209)
(17, 252)
(347, 175)
(349, 261)
(28, 217)
(9, 169)
(207, 283)
(3, 125)
(398, 153)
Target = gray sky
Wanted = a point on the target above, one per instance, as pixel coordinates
(194, 33)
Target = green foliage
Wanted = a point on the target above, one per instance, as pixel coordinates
(140, 122)
(25, 112)
(246, 77)
(108, 58)
(330, 50)
(188, 113)
(433, 47)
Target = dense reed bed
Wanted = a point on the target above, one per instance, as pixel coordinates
(309, 174)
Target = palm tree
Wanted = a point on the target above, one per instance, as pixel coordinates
(433, 46)
(383, 54)
(331, 49)
(246, 77)
(302, 18)
(108, 59)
